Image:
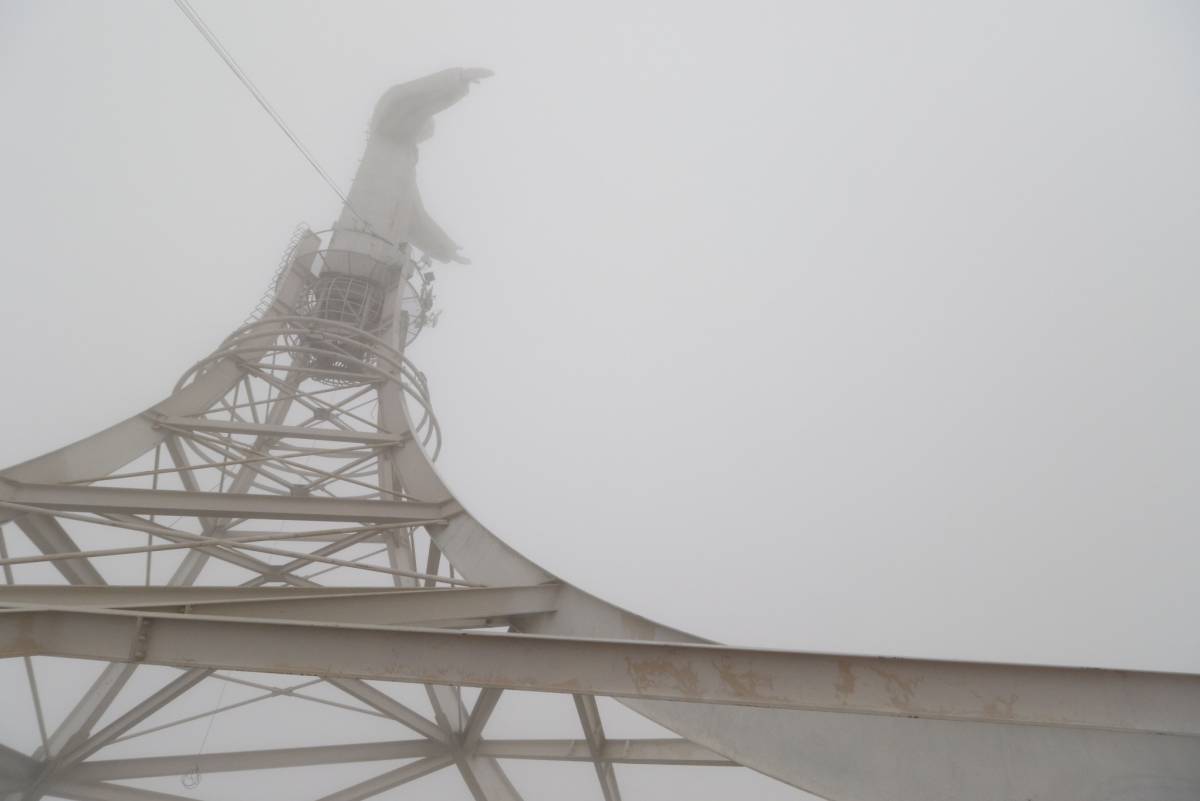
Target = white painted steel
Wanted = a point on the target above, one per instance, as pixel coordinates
(182, 503)
(843, 727)
(631, 752)
(1152, 703)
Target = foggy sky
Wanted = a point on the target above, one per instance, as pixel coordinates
(856, 328)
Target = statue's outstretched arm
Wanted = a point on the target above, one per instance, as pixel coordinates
(404, 108)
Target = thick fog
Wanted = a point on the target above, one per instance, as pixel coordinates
(865, 328)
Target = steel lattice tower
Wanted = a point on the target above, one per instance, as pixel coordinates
(280, 513)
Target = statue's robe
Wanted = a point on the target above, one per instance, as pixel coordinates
(385, 191)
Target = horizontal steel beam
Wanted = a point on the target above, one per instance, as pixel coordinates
(266, 537)
(629, 752)
(181, 503)
(1106, 699)
(117, 596)
(390, 608)
(354, 605)
(147, 767)
(100, 791)
(625, 752)
(288, 432)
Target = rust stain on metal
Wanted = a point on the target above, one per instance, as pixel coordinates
(649, 674)
(1001, 707)
(744, 683)
(899, 689)
(25, 641)
(844, 686)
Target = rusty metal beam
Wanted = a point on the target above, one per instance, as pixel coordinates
(1106, 699)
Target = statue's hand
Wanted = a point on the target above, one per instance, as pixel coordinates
(476, 74)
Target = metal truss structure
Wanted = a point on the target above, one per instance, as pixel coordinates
(279, 513)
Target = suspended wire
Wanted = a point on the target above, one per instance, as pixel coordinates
(192, 778)
(231, 62)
